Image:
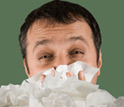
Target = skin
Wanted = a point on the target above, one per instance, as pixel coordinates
(51, 46)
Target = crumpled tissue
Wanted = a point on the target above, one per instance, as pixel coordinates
(60, 74)
(59, 92)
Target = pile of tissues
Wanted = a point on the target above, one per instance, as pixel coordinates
(59, 91)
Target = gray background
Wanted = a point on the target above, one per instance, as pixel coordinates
(109, 15)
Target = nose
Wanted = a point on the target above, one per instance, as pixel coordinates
(61, 60)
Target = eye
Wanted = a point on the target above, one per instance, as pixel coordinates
(47, 56)
(76, 53)
(43, 57)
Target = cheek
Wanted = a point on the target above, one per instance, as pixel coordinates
(91, 57)
(94, 80)
(35, 67)
(32, 64)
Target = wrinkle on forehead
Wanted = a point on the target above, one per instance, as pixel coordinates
(41, 29)
(41, 25)
(47, 23)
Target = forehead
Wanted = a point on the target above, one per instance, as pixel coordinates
(44, 30)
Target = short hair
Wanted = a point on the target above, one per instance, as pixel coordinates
(60, 12)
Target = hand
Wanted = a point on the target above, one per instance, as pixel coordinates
(81, 75)
(43, 76)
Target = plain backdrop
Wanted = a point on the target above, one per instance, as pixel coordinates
(108, 13)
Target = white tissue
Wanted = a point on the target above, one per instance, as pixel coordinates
(89, 71)
(60, 74)
(75, 67)
(57, 92)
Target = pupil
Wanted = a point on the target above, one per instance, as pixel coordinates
(45, 57)
(77, 52)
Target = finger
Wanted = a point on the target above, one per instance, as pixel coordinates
(42, 78)
(72, 74)
(68, 74)
(53, 73)
(81, 76)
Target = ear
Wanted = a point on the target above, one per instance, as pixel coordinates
(26, 70)
(99, 62)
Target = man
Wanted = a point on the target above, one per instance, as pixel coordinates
(60, 33)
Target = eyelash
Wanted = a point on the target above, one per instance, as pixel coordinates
(50, 56)
(73, 53)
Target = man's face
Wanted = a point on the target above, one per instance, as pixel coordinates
(51, 46)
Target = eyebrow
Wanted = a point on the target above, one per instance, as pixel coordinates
(42, 42)
(73, 39)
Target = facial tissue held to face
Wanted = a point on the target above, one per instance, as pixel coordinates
(60, 74)
(59, 91)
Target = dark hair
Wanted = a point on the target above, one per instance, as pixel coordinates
(60, 12)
